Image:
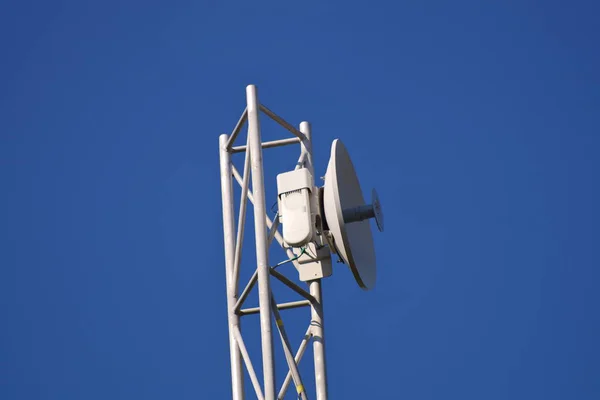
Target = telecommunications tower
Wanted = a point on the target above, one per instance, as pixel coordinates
(311, 223)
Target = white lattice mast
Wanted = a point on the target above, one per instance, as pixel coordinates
(306, 238)
(265, 231)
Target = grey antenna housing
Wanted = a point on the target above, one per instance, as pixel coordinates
(347, 216)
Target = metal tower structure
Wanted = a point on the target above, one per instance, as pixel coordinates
(317, 259)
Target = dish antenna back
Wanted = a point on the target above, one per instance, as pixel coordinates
(347, 217)
(316, 223)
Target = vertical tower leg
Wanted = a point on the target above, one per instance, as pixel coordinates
(262, 255)
(315, 291)
(237, 377)
(318, 340)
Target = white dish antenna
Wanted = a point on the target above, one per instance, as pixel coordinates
(347, 216)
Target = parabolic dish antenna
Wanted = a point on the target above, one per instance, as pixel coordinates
(347, 216)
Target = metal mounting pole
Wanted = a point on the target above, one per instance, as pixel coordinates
(262, 251)
(318, 340)
(237, 377)
(315, 291)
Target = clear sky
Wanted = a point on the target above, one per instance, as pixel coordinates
(478, 123)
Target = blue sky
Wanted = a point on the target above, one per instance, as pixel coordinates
(476, 121)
